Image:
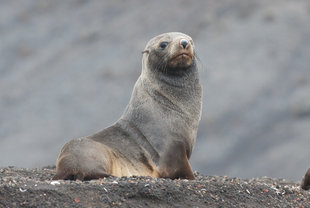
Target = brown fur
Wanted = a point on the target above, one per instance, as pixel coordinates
(156, 134)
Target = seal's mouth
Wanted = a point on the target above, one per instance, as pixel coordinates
(182, 55)
(183, 60)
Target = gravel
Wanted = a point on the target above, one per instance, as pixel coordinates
(20, 187)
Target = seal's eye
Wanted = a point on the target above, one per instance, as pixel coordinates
(163, 45)
(191, 42)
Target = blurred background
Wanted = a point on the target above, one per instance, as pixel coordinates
(67, 69)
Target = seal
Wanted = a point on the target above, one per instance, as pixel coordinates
(305, 182)
(156, 133)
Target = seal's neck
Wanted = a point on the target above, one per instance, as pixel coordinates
(171, 78)
(180, 92)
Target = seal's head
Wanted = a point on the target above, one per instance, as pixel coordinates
(170, 53)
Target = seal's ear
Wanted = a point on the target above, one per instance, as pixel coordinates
(145, 51)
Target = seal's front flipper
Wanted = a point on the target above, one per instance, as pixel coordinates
(175, 163)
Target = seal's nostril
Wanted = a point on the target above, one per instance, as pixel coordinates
(183, 43)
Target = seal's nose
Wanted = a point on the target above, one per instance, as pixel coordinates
(183, 43)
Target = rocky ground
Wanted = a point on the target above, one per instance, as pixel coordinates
(34, 188)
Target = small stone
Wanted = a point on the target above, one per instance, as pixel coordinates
(76, 200)
(54, 183)
(22, 190)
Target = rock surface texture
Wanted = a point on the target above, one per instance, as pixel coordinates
(34, 188)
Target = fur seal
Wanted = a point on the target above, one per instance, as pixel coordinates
(156, 133)
(305, 182)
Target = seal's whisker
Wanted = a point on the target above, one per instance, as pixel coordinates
(198, 61)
